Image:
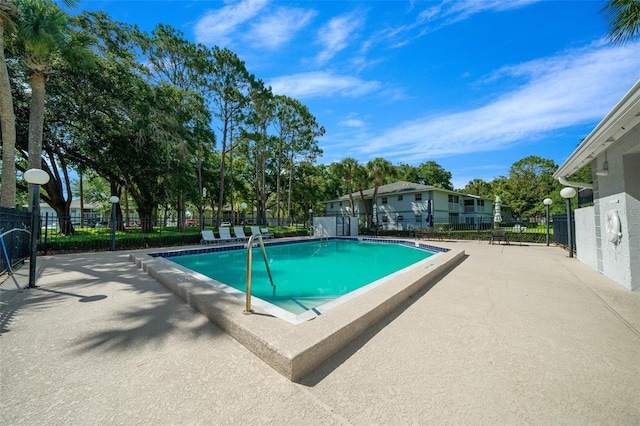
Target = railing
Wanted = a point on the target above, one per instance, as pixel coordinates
(16, 244)
(248, 309)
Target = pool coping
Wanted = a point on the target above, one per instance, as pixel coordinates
(295, 350)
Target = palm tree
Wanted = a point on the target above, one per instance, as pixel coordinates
(361, 181)
(8, 195)
(347, 168)
(379, 169)
(44, 35)
(623, 17)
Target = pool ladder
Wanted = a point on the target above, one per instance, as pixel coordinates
(248, 310)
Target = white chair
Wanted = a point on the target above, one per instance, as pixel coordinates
(208, 237)
(265, 233)
(225, 234)
(256, 231)
(239, 233)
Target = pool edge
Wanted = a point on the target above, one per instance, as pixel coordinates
(296, 350)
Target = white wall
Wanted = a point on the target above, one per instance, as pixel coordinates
(620, 191)
(586, 247)
(326, 226)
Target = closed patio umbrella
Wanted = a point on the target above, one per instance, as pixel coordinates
(497, 216)
(429, 215)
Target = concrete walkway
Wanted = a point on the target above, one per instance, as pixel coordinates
(513, 335)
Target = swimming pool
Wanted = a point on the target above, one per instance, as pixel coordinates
(309, 274)
(294, 345)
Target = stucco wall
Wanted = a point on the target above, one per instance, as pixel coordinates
(586, 236)
(324, 226)
(620, 191)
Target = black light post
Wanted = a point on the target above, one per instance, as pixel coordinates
(311, 222)
(243, 206)
(568, 193)
(35, 177)
(113, 200)
(547, 202)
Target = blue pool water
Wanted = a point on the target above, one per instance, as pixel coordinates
(306, 274)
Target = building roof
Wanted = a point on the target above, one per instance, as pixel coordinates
(399, 188)
(621, 119)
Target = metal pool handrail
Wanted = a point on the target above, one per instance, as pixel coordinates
(248, 309)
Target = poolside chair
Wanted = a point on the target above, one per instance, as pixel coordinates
(256, 231)
(499, 235)
(239, 233)
(208, 237)
(225, 234)
(265, 233)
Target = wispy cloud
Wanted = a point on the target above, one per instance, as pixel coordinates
(252, 22)
(335, 35)
(217, 26)
(574, 88)
(352, 122)
(274, 30)
(435, 17)
(450, 11)
(321, 84)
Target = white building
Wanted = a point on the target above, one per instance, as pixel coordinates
(608, 233)
(403, 205)
(92, 212)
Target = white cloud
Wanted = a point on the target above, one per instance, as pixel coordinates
(435, 17)
(450, 11)
(217, 26)
(575, 88)
(335, 36)
(272, 31)
(321, 84)
(352, 122)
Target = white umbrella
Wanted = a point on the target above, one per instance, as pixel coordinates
(497, 216)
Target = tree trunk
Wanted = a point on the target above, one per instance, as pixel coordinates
(36, 125)
(8, 123)
(221, 179)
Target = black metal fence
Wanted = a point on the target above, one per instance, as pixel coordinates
(561, 230)
(15, 230)
(132, 232)
(95, 234)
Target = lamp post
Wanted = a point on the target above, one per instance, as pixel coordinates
(243, 206)
(35, 177)
(202, 204)
(547, 202)
(113, 200)
(568, 193)
(311, 222)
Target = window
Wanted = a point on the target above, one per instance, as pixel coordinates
(340, 204)
(418, 218)
(331, 205)
(454, 199)
(418, 197)
(480, 203)
(385, 219)
(400, 218)
(384, 200)
(399, 197)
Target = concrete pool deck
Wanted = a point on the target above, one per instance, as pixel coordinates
(512, 335)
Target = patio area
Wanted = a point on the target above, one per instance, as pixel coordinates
(515, 334)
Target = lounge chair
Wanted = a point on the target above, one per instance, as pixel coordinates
(265, 233)
(225, 234)
(499, 235)
(239, 233)
(257, 231)
(208, 237)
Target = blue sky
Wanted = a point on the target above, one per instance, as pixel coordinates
(472, 85)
